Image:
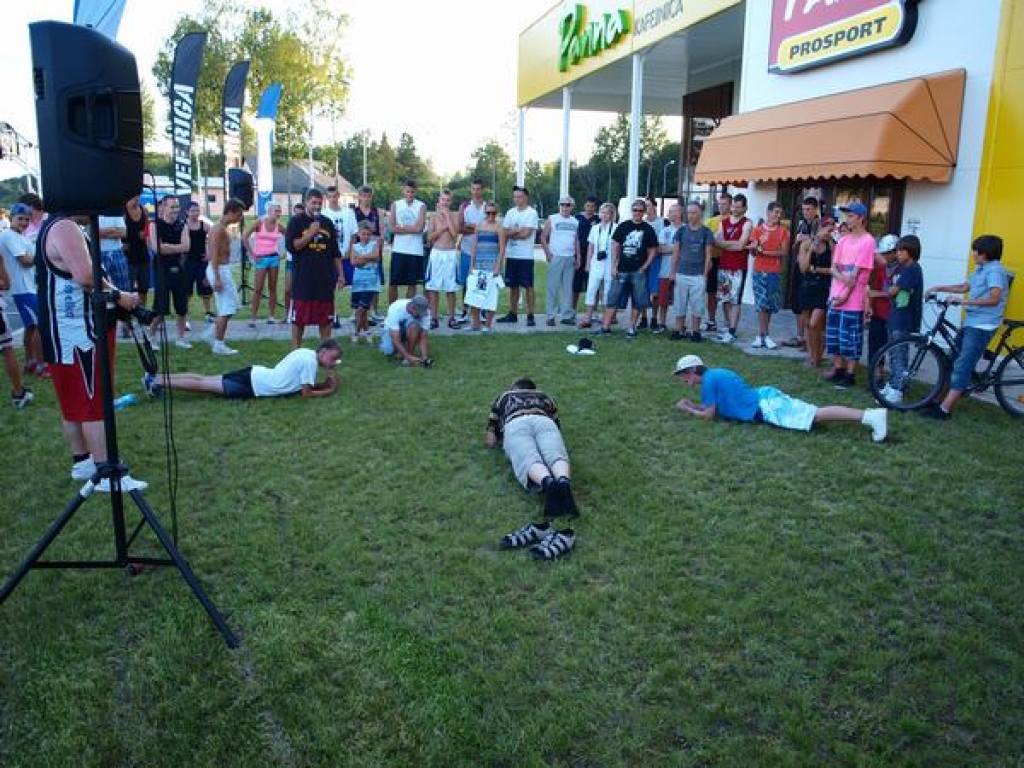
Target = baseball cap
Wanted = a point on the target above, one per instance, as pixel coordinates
(887, 244)
(687, 361)
(565, 200)
(585, 347)
(418, 306)
(20, 209)
(857, 208)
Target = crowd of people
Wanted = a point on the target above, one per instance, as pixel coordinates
(843, 285)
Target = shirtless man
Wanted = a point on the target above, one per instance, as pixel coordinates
(218, 275)
(442, 273)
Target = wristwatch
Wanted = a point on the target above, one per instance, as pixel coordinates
(115, 295)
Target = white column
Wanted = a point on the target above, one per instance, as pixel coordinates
(635, 118)
(521, 148)
(563, 181)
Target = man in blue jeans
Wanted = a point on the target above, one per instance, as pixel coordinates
(634, 244)
(984, 304)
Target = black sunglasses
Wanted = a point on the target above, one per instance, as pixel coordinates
(491, 213)
(639, 210)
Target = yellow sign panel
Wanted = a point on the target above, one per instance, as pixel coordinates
(548, 44)
(850, 36)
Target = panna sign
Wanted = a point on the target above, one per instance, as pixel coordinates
(811, 33)
(581, 38)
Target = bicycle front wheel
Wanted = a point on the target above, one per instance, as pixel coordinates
(908, 374)
(1009, 383)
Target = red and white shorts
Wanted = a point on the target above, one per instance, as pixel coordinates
(311, 312)
(78, 385)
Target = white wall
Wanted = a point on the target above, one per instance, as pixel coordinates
(951, 34)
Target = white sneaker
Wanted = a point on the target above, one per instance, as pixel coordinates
(769, 343)
(209, 335)
(877, 419)
(183, 344)
(220, 348)
(84, 469)
(757, 343)
(128, 484)
(726, 338)
(891, 395)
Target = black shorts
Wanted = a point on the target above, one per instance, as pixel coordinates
(519, 273)
(579, 281)
(238, 384)
(407, 269)
(140, 276)
(711, 285)
(814, 294)
(175, 287)
(195, 274)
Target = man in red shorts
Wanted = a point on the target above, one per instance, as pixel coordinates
(313, 242)
(70, 339)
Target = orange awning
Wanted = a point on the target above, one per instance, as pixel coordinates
(909, 129)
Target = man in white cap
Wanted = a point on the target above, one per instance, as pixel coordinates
(405, 331)
(562, 250)
(723, 393)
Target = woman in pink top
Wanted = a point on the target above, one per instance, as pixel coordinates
(844, 325)
(265, 239)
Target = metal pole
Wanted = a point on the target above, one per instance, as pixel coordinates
(364, 158)
(563, 179)
(311, 184)
(521, 148)
(635, 120)
(664, 182)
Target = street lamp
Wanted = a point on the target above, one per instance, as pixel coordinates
(664, 183)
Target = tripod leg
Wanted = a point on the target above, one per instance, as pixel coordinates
(37, 552)
(190, 578)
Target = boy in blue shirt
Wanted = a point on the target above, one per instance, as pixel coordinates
(986, 291)
(723, 393)
(905, 293)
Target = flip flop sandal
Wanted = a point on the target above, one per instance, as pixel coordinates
(529, 534)
(554, 545)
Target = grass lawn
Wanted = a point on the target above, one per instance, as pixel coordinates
(738, 595)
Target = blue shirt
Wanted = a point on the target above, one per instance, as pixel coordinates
(905, 314)
(986, 277)
(732, 397)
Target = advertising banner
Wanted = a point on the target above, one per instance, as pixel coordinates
(188, 60)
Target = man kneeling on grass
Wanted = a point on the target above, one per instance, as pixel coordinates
(723, 393)
(295, 374)
(524, 420)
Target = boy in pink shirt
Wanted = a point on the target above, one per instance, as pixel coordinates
(851, 267)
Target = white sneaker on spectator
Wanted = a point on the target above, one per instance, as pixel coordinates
(183, 344)
(209, 335)
(757, 343)
(891, 395)
(726, 338)
(769, 343)
(220, 348)
(84, 469)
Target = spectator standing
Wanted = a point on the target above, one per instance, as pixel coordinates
(170, 241)
(443, 267)
(770, 243)
(690, 266)
(985, 294)
(852, 262)
(666, 273)
(657, 224)
(486, 263)
(317, 271)
(562, 251)
(364, 254)
(905, 294)
(587, 219)
(815, 261)
(876, 313)
(471, 215)
(136, 247)
(733, 238)
(366, 210)
(344, 221)
(599, 263)
(218, 275)
(633, 245)
(18, 255)
(520, 225)
(724, 202)
(36, 218)
(195, 260)
(407, 219)
(805, 229)
(21, 396)
(265, 240)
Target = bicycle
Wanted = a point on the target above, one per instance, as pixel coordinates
(928, 367)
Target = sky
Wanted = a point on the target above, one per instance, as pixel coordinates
(482, 80)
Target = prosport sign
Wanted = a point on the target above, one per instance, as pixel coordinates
(811, 33)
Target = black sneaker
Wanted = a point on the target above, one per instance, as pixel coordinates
(695, 336)
(530, 322)
(511, 317)
(657, 329)
(710, 327)
(679, 336)
(551, 322)
(602, 331)
(20, 401)
(835, 376)
(844, 381)
(642, 324)
(631, 333)
(336, 324)
(934, 411)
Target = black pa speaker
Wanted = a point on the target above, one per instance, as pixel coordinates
(89, 117)
(240, 186)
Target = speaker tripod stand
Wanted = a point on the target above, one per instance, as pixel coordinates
(111, 472)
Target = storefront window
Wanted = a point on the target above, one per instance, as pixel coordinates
(883, 198)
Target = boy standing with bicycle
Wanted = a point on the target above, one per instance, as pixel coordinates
(905, 295)
(986, 292)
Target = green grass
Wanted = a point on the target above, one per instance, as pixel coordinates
(739, 595)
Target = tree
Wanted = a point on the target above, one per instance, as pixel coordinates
(493, 164)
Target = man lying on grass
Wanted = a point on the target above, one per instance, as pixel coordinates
(294, 374)
(723, 393)
(524, 421)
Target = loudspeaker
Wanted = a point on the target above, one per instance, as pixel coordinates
(89, 117)
(240, 186)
